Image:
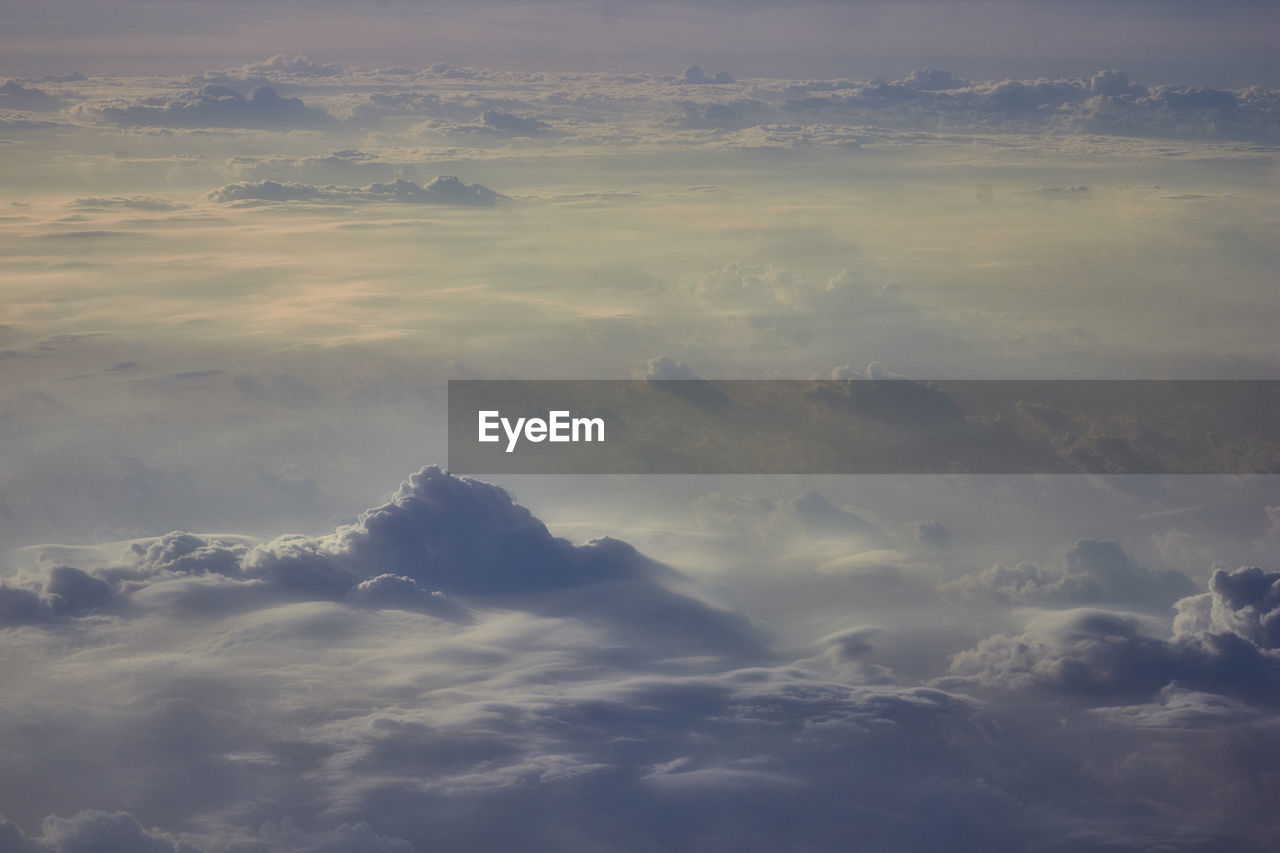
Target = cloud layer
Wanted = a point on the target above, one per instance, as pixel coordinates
(444, 656)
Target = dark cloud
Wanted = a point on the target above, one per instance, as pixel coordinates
(904, 404)
(1105, 103)
(678, 379)
(92, 832)
(663, 369)
(15, 96)
(444, 189)
(22, 606)
(933, 535)
(60, 591)
(732, 115)
(76, 593)
(217, 106)
(695, 74)
(287, 837)
(144, 204)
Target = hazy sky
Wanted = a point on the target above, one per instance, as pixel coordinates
(243, 249)
(1225, 43)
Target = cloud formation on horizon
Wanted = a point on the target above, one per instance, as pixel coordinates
(551, 686)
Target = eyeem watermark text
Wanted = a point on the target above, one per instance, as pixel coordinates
(559, 426)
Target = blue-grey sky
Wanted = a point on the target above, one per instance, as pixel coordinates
(1224, 43)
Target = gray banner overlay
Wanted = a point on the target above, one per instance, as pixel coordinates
(864, 427)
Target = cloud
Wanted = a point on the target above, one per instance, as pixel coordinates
(933, 535)
(15, 96)
(1244, 603)
(1091, 572)
(287, 837)
(316, 694)
(933, 80)
(678, 379)
(60, 591)
(437, 538)
(215, 105)
(1105, 103)
(442, 671)
(501, 122)
(664, 369)
(1178, 707)
(188, 554)
(444, 189)
(1099, 655)
(92, 831)
(399, 592)
(144, 204)
(732, 115)
(695, 74)
(293, 65)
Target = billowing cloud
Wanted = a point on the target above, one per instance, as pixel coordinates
(216, 106)
(1091, 572)
(444, 655)
(91, 831)
(1244, 603)
(695, 74)
(1105, 103)
(1220, 644)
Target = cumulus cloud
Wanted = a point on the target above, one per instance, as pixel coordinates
(439, 536)
(299, 65)
(1106, 103)
(933, 80)
(695, 74)
(1100, 654)
(91, 831)
(60, 591)
(444, 189)
(663, 369)
(15, 96)
(444, 655)
(1245, 603)
(216, 106)
(1091, 572)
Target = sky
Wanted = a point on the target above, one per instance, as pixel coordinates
(244, 606)
(1177, 41)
